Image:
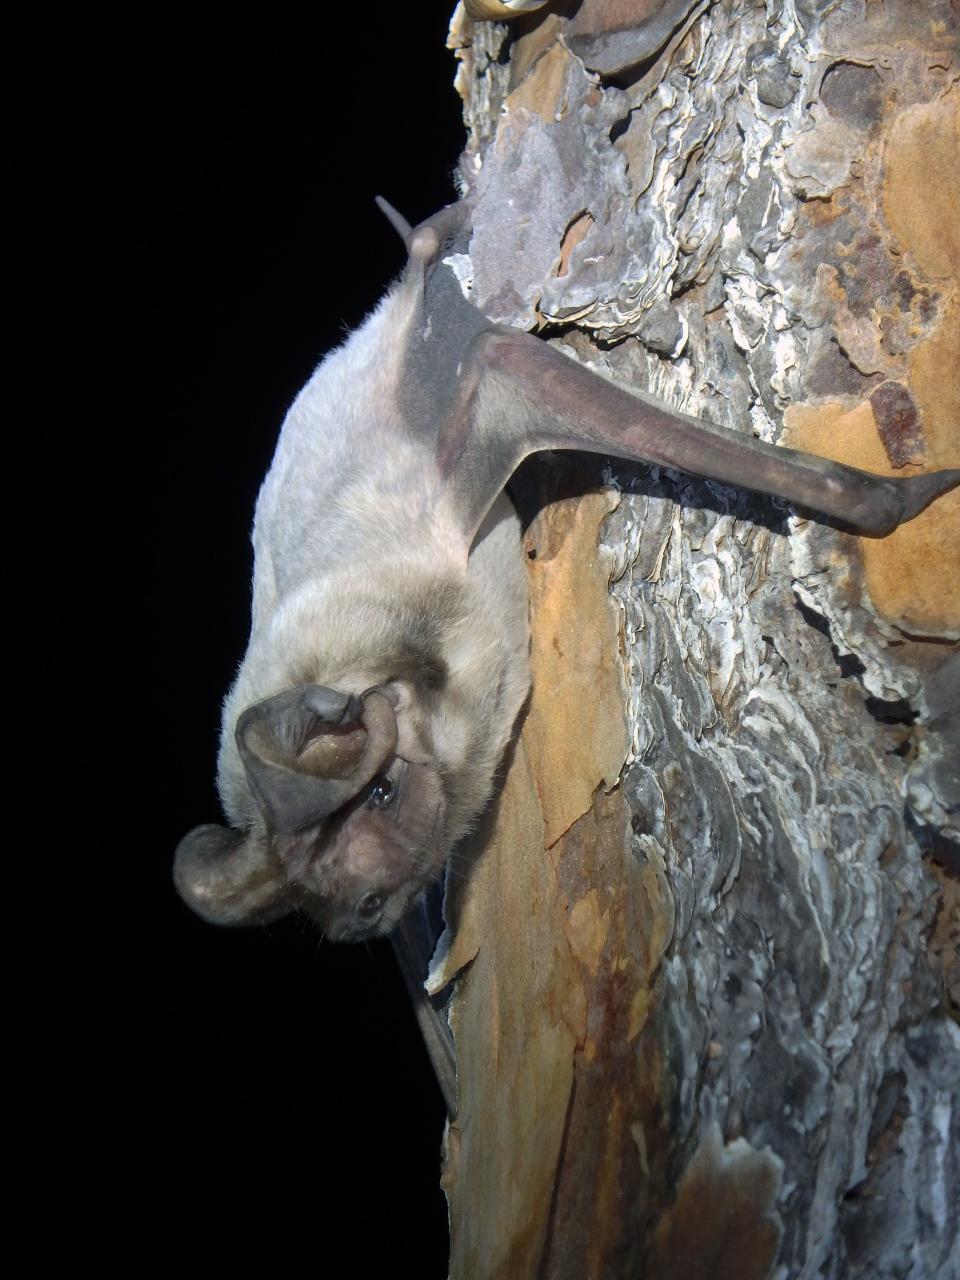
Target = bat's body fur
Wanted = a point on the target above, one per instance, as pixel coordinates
(351, 577)
(359, 586)
(388, 653)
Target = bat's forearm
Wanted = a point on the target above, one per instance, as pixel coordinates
(577, 409)
(356, 780)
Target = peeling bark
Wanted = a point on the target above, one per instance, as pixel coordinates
(704, 971)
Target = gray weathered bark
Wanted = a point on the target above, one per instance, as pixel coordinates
(703, 972)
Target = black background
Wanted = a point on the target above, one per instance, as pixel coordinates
(209, 188)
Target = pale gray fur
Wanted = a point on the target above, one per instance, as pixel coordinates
(387, 659)
(348, 571)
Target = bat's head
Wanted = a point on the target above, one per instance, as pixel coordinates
(353, 809)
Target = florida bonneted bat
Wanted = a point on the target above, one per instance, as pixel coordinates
(387, 659)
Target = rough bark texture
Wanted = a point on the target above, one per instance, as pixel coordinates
(704, 975)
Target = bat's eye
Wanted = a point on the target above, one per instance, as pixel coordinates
(381, 793)
(370, 906)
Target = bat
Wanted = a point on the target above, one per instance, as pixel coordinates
(387, 660)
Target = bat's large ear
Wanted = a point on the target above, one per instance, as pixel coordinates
(309, 750)
(229, 878)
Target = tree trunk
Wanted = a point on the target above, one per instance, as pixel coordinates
(704, 973)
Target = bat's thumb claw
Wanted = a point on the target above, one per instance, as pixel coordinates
(920, 491)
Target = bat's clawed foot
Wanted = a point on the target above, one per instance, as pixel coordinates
(425, 240)
(423, 243)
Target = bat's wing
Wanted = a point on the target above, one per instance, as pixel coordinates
(541, 399)
(413, 944)
(493, 395)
